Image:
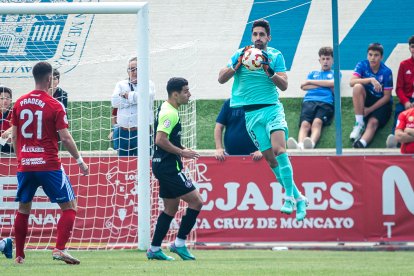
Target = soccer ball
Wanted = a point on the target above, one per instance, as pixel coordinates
(252, 59)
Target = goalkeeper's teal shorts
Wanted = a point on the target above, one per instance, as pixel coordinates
(260, 123)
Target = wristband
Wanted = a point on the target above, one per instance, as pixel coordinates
(79, 160)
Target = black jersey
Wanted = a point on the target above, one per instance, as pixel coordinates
(168, 121)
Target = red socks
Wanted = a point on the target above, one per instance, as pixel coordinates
(20, 232)
(64, 228)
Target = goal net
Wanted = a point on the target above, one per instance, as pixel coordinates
(91, 52)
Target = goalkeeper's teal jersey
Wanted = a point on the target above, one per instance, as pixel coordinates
(255, 87)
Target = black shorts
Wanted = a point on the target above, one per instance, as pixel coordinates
(172, 183)
(320, 110)
(382, 114)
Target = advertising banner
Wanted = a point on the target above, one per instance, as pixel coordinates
(351, 198)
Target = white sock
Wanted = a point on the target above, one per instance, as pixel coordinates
(359, 119)
(155, 248)
(300, 146)
(2, 245)
(363, 142)
(300, 198)
(179, 242)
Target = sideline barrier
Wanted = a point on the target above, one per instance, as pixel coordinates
(352, 198)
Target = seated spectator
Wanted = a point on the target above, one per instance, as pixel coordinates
(371, 95)
(405, 90)
(404, 131)
(5, 113)
(236, 139)
(318, 103)
(58, 93)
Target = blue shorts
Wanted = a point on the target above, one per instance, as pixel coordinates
(115, 138)
(128, 142)
(260, 123)
(55, 184)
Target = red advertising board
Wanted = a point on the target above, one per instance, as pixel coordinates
(352, 198)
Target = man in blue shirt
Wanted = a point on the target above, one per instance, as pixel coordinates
(318, 104)
(371, 95)
(257, 92)
(236, 138)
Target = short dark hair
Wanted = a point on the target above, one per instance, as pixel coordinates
(376, 47)
(411, 40)
(326, 51)
(4, 89)
(56, 73)
(176, 85)
(41, 71)
(262, 23)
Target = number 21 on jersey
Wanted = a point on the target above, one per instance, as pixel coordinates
(29, 118)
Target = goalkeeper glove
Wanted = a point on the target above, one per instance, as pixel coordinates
(266, 66)
(236, 65)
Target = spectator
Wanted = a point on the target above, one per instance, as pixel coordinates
(404, 131)
(236, 139)
(405, 90)
(58, 93)
(114, 134)
(318, 104)
(125, 98)
(372, 85)
(5, 113)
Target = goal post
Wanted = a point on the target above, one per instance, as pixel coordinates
(142, 50)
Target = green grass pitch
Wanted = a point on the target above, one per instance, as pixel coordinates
(218, 262)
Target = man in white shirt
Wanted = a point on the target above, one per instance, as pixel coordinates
(125, 98)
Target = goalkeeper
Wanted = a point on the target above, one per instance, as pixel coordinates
(167, 168)
(257, 93)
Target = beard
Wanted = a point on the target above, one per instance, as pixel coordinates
(259, 45)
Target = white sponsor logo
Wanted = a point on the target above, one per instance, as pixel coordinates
(38, 219)
(32, 149)
(33, 161)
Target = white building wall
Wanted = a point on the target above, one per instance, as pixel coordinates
(215, 27)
